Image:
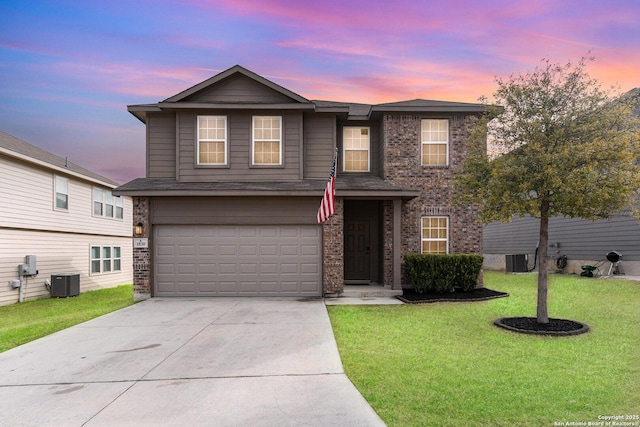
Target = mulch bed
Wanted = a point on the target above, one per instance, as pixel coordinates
(530, 325)
(410, 296)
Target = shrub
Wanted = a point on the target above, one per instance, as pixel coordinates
(443, 273)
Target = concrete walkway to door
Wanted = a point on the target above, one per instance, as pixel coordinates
(186, 362)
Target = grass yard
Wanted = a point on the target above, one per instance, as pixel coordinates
(446, 364)
(27, 321)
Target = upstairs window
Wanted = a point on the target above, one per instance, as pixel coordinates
(105, 204)
(212, 140)
(98, 202)
(356, 144)
(108, 211)
(119, 207)
(435, 142)
(435, 235)
(267, 141)
(61, 191)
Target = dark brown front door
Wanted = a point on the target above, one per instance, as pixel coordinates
(357, 263)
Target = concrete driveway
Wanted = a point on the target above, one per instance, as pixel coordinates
(186, 362)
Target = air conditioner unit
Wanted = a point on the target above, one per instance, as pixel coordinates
(517, 263)
(65, 285)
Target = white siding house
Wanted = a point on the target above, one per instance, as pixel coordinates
(63, 214)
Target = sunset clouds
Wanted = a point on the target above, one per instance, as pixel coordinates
(68, 69)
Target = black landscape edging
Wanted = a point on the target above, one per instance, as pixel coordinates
(480, 294)
(571, 327)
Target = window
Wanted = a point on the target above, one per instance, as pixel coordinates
(106, 259)
(435, 235)
(212, 140)
(95, 259)
(356, 149)
(107, 205)
(97, 201)
(435, 142)
(119, 207)
(61, 190)
(267, 140)
(117, 260)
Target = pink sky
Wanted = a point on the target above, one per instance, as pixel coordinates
(69, 69)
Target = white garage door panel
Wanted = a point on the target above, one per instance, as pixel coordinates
(237, 260)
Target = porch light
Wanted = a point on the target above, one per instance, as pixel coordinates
(137, 230)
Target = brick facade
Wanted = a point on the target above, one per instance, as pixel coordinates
(142, 256)
(402, 167)
(387, 244)
(333, 251)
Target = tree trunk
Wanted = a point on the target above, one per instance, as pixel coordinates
(542, 311)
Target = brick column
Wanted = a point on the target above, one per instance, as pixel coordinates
(387, 244)
(333, 251)
(142, 256)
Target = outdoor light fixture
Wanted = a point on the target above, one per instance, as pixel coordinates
(137, 230)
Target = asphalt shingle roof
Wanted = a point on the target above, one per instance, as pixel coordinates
(15, 147)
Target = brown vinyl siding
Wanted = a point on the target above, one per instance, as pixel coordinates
(234, 210)
(319, 143)
(239, 88)
(161, 148)
(239, 168)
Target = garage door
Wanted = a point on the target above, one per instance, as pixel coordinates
(237, 260)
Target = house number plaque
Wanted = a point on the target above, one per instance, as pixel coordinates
(142, 242)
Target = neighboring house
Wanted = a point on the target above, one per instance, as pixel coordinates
(582, 242)
(236, 168)
(63, 214)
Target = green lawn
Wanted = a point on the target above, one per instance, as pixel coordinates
(27, 321)
(446, 364)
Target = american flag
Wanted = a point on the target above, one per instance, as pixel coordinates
(327, 205)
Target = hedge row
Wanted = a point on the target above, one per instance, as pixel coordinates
(443, 273)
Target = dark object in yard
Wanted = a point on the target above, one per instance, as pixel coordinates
(614, 258)
(530, 325)
(410, 296)
(588, 270)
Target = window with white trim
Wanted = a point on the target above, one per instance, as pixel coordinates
(119, 207)
(267, 141)
(108, 204)
(106, 259)
(356, 153)
(434, 235)
(435, 142)
(105, 204)
(98, 202)
(212, 140)
(61, 190)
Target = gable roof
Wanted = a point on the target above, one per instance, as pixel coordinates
(19, 149)
(289, 100)
(236, 69)
(184, 100)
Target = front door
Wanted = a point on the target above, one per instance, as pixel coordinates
(357, 263)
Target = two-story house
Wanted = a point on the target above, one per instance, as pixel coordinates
(64, 217)
(237, 166)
